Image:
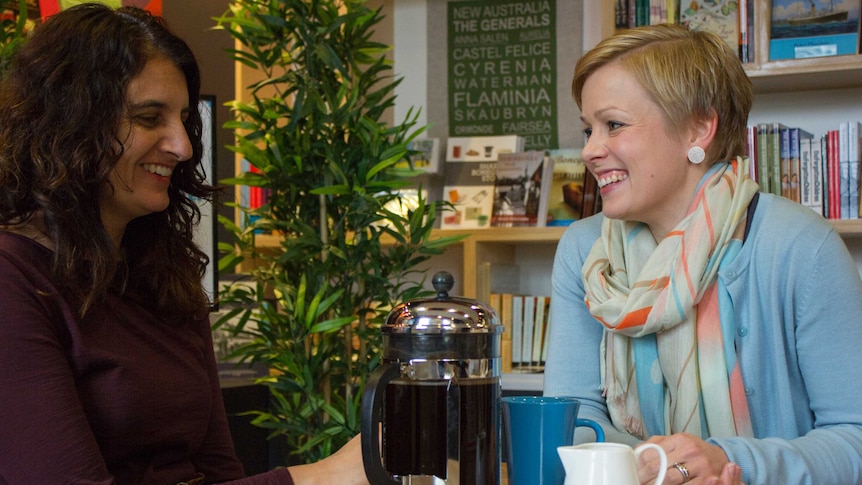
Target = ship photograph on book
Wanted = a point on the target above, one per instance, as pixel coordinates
(521, 183)
(813, 28)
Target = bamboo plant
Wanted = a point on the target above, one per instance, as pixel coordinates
(347, 250)
(12, 33)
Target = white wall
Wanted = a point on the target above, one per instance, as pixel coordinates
(411, 56)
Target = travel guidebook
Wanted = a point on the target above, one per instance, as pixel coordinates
(813, 28)
(567, 188)
(469, 178)
(717, 16)
(521, 184)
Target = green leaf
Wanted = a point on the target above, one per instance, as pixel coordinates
(331, 325)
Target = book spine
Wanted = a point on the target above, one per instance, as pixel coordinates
(591, 194)
(817, 176)
(529, 323)
(517, 329)
(834, 188)
(502, 303)
(539, 330)
(806, 173)
(794, 165)
(763, 165)
(751, 152)
(844, 167)
(775, 183)
(853, 162)
(784, 154)
(743, 30)
(547, 181)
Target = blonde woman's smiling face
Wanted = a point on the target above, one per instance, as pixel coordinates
(641, 166)
(154, 142)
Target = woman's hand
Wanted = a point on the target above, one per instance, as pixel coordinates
(704, 463)
(344, 467)
(731, 474)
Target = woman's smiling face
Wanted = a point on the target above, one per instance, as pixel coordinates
(154, 141)
(641, 166)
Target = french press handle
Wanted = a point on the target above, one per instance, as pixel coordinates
(372, 401)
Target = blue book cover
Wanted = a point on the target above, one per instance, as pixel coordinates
(815, 28)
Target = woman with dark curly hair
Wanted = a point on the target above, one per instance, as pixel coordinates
(107, 372)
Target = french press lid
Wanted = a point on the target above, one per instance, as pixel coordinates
(442, 327)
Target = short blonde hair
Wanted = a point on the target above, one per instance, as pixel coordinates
(689, 74)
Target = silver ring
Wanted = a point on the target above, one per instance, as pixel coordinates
(683, 471)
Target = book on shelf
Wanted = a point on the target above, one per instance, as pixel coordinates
(592, 201)
(844, 168)
(517, 329)
(521, 188)
(539, 331)
(720, 17)
(751, 152)
(633, 13)
(848, 159)
(797, 135)
(833, 171)
(774, 145)
(502, 303)
(801, 30)
(469, 178)
(529, 321)
(566, 194)
(817, 176)
(425, 154)
(525, 318)
(786, 162)
(764, 166)
(855, 160)
(746, 30)
(806, 173)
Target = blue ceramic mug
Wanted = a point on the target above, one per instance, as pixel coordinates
(535, 427)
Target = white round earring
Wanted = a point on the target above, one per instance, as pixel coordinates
(696, 154)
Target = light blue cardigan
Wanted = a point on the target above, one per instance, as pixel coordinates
(797, 296)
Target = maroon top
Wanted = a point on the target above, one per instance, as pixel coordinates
(117, 397)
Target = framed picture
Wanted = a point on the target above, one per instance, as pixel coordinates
(205, 234)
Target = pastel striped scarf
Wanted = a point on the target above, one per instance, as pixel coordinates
(668, 354)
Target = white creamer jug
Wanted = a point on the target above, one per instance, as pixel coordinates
(606, 463)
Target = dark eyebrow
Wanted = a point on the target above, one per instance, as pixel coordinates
(148, 104)
(153, 104)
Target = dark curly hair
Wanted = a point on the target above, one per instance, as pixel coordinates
(61, 106)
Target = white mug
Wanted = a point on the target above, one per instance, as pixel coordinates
(606, 463)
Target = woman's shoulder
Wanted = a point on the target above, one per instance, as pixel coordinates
(779, 216)
(578, 239)
(19, 244)
(22, 258)
(784, 230)
(584, 230)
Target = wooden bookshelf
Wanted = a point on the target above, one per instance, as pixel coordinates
(814, 77)
(498, 245)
